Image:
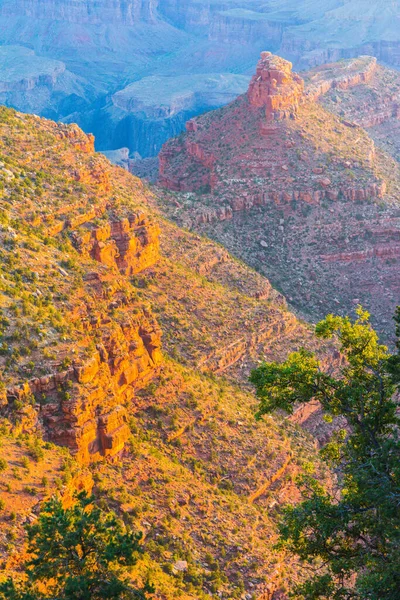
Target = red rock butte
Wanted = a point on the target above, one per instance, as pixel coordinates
(298, 188)
(275, 87)
(273, 144)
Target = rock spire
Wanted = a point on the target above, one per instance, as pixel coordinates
(275, 87)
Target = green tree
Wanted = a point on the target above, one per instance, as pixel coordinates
(394, 361)
(350, 537)
(77, 553)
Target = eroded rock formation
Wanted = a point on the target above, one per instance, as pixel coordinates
(340, 76)
(275, 87)
(360, 90)
(270, 145)
(81, 391)
(83, 407)
(130, 244)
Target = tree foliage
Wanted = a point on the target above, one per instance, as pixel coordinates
(77, 553)
(351, 537)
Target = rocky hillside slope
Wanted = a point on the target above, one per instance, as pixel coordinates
(299, 193)
(125, 346)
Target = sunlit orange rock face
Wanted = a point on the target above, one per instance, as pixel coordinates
(92, 419)
(130, 244)
(83, 406)
(78, 394)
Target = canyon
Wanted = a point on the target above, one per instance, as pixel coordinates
(346, 30)
(132, 313)
(119, 69)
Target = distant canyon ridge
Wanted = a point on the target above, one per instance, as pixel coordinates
(134, 71)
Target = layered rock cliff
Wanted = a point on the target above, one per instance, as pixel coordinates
(367, 94)
(106, 342)
(339, 77)
(83, 407)
(247, 27)
(298, 192)
(125, 12)
(106, 46)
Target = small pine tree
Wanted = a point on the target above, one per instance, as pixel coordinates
(78, 553)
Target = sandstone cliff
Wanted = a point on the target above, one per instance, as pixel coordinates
(106, 341)
(275, 88)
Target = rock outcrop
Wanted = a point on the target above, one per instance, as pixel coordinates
(360, 90)
(275, 88)
(80, 391)
(362, 93)
(22, 71)
(39, 84)
(131, 244)
(276, 158)
(340, 76)
(83, 407)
